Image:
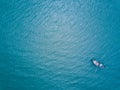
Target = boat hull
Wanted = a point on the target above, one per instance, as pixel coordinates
(97, 64)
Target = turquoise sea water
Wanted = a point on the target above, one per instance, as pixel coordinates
(48, 44)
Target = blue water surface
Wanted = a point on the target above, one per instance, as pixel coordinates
(48, 44)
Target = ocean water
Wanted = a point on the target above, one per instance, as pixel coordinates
(48, 44)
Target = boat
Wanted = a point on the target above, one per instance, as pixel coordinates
(97, 63)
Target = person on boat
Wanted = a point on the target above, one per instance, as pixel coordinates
(101, 65)
(96, 63)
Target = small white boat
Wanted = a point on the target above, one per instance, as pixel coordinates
(97, 63)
